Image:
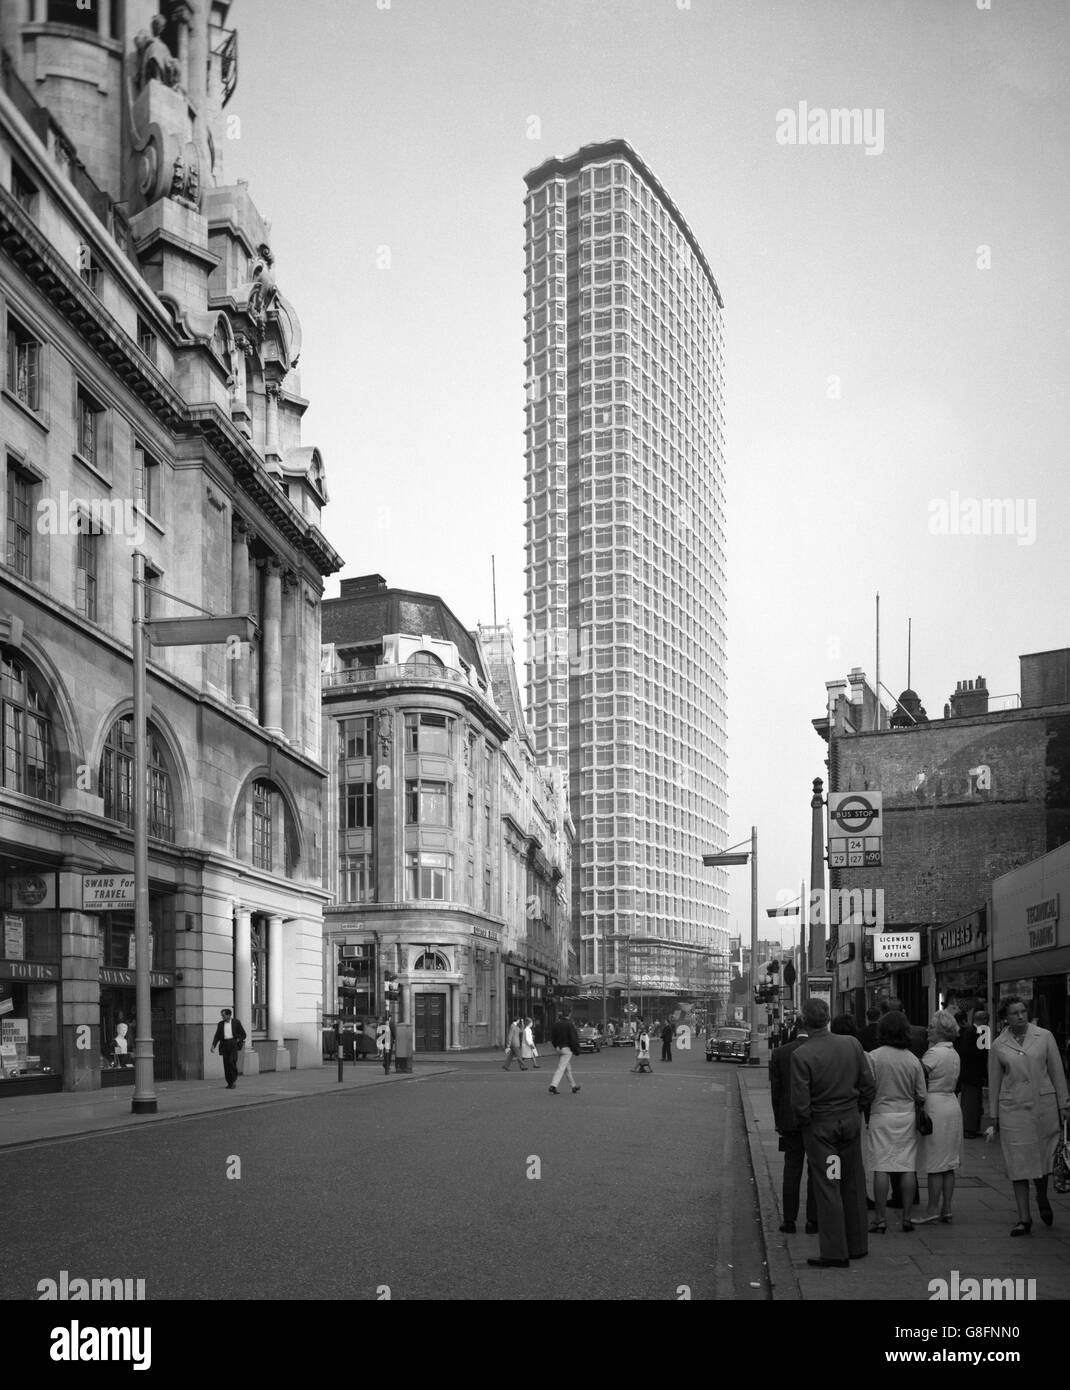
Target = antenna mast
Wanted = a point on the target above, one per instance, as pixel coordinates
(494, 590)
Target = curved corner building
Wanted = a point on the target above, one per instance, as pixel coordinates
(625, 561)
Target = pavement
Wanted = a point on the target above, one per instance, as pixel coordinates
(977, 1243)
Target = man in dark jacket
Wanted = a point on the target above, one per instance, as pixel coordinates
(868, 1036)
(791, 1140)
(667, 1035)
(831, 1083)
(919, 1037)
(229, 1038)
(973, 1074)
(564, 1037)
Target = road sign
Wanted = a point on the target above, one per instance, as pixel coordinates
(855, 830)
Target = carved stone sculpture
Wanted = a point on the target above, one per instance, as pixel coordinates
(155, 61)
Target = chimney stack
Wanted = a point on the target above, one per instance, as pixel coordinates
(970, 699)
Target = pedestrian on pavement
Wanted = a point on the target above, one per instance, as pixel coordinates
(642, 1049)
(830, 1083)
(893, 1135)
(566, 1040)
(868, 1036)
(382, 1037)
(667, 1035)
(389, 1044)
(941, 1151)
(528, 1049)
(1029, 1101)
(973, 1073)
(919, 1037)
(843, 1025)
(791, 1140)
(513, 1042)
(230, 1039)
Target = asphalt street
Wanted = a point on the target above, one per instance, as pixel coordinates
(476, 1184)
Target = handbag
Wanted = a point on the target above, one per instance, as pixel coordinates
(1061, 1168)
(922, 1123)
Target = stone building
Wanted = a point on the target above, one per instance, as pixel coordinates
(150, 404)
(966, 799)
(444, 841)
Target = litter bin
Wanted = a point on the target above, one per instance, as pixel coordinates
(403, 1052)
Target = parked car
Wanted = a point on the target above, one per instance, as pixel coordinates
(591, 1040)
(728, 1045)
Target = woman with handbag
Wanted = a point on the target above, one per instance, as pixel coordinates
(941, 1151)
(892, 1137)
(1029, 1100)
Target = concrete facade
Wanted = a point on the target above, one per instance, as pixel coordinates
(150, 403)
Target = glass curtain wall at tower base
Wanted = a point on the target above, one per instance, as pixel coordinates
(625, 576)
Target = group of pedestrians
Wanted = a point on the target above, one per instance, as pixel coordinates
(919, 1092)
(520, 1045)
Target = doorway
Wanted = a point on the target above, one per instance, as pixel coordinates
(429, 1016)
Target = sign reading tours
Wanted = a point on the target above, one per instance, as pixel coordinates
(1040, 922)
(103, 891)
(897, 947)
(855, 830)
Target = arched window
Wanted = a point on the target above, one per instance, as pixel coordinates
(117, 780)
(29, 759)
(432, 960)
(265, 833)
(426, 660)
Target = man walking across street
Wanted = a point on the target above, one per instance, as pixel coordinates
(513, 1041)
(565, 1038)
(229, 1038)
(831, 1082)
(791, 1140)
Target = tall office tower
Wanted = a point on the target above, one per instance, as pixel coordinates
(625, 560)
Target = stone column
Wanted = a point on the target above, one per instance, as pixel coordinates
(197, 69)
(455, 1018)
(271, 650)
(405, 1013)
(103, 24)
(276, 994)
(243, 984)
(289, 673)
(272, 455)
(239, 589)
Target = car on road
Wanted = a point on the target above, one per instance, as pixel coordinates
(591, 1040)
(728, 1045)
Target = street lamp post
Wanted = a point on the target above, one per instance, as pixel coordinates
(204, 630)
(723, 860)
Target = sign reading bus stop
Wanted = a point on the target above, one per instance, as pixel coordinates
(855, 830)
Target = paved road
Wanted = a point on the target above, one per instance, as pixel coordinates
(422, 1187)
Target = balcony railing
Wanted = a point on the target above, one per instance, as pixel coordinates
(415, 675)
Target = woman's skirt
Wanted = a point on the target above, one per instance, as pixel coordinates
(892, 1142)
(941, 1150)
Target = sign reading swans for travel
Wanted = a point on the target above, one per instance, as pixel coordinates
(855, 830)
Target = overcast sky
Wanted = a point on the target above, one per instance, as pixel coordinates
(896, 321)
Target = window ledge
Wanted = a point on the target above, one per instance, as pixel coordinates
(38, 417)
(92, 468)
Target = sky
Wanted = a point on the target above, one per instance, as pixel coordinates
(895, 315)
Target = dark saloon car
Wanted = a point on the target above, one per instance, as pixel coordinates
(728, 1045)
(591, 1040)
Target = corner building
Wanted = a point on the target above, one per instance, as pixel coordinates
(625, 560)
(149, 401)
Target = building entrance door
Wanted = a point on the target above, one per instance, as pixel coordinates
(430, 1021)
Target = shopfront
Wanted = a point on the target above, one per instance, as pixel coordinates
(118, 1000)
(1031, 940)
(31, 1053)
(958, 952)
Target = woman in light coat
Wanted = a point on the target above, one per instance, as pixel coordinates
(892, 1138)
(528, 1050)
(940, 1153)
(1028, 1097)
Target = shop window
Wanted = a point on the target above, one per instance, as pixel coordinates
(29, 1030)
(29, 761)
(117, 781)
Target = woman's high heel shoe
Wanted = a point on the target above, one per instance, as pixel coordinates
(1023, 1228)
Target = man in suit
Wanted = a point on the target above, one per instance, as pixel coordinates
(868, 1036)
(229, 1038)
(791, 1140)
(973, 1074)
(831, 1082)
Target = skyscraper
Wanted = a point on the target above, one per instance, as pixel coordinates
(625, 559)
